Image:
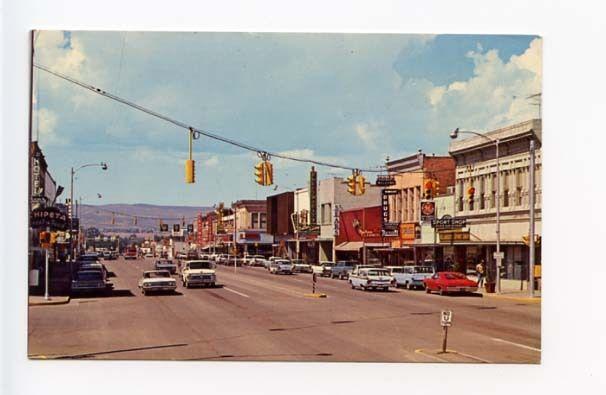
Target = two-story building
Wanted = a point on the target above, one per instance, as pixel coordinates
(476, 196)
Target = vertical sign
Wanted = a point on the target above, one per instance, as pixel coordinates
(313, 196)
(388, 228)
(337, 220)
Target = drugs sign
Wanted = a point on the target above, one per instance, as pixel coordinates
(446, 318)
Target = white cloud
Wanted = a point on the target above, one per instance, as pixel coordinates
(213, 161)
(46, 126)
(495, 96)
(369, 133)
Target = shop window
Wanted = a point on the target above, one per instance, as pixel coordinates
(482, 201)
(254, 220)
(519, 196)
(263, 221)
(506, 198)
(461, 203)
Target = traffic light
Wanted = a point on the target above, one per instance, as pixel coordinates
(428, 192)
(190, 171)
(351, 184)
(45, 239)
(470, 195)
(361, 182)
(264, 173)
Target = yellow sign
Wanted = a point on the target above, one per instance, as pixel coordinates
(453, 236)
(407, 231)
(537, 271)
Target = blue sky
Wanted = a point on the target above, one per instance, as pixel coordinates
(351, 99)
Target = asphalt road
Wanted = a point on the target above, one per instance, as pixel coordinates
(257, 316)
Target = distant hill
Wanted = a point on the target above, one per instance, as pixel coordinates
(100, 216)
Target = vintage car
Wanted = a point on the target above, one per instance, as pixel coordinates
(371, 278)
(280, 266)
(410, 276)
(166, 264)
(324, 268)
(157, 281)
(90, 281)
(449, 282)
(254, 260)
(342, 269)
(299, 266)
(198, 273)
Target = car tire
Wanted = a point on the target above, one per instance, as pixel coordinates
(427, 290)
(385, 289)
(352, 285)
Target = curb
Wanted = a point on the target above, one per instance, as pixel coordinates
(315, 295)
(517, 298)
(50, 303)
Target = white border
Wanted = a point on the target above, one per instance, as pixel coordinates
(574, 345)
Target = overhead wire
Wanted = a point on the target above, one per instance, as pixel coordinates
(199, 131)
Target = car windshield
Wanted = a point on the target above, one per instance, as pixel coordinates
(89, 276)
(454, 276)
(200, 265)
(423, 269)
(165, 262)
(161, 274)
(397, 270)
(378, 273)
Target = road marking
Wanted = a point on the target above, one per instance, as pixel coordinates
(472, 357)
(420, 351)
(236, 292)
(516, 344)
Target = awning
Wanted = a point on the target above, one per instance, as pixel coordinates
(356, 245)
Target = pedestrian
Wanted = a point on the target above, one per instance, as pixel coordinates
(480, 273)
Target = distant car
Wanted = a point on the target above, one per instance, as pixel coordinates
(280, 266)
(449, 282)
(254, 260)
(299, 266)
(342, 269)
(157, 281)
(410, 276)
(90, 281)
(324, 268)
(198, 273)
(371, 278)
(93, 256)
(149, 255)
(181, 255)
(130, 253)
(166, 264)
(192, 254)
(89, 265)
(110, 256)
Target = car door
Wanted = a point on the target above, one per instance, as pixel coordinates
(432, 281)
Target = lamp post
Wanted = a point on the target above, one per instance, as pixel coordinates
(498, 255)
(73, 171)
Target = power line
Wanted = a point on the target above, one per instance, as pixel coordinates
(194, 129)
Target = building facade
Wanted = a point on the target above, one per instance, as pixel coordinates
(476, 196)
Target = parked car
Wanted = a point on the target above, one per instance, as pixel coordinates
(166, 264)
(198, 273)
(192, 254)
(299, 266)
(92, 265)
(181, 255)
(371, 278)
(90, 281)
(253, 260)
(130, 253)
(149, 255)
(342, 269)
(90, 257)
(280, 266)
(157, 281)
(324, 268)
(111, 256)
(410, 276)
(449, 282)
(357, 268)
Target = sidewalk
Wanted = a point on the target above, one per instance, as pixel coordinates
(52, 300)
(510, 289)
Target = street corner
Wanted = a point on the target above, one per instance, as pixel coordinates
(53, 300)
(314, 295)
(449, 356)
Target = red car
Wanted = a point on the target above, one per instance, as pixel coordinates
(444, 282)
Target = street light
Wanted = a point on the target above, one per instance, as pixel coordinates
(103, 166)
(453, 135)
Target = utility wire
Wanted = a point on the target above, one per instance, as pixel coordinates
(196, 130)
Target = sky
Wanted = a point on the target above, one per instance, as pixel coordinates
(349, 99)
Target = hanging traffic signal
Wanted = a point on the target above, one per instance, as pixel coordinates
(470, 194)
(428, 190)
(264, 173)
(260, 173)
(53, 238)
(190, 171)
(269, 172)
(361, 183)
(351, 184)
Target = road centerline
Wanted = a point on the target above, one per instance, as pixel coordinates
(236, 292)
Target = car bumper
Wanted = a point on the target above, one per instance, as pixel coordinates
(200, 281)
(461, 289)
(379, 284)
(160, 288)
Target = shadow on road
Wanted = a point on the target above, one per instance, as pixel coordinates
(116, 293)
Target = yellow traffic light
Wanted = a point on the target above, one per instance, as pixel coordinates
(351, 185)
(44, 239)
(361, 183)
(190, 171)
(260, 173)
(269, 173)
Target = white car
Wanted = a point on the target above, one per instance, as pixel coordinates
(371, 278)
(157, 281)
(299, 266)
(198, 273)
(324, 268)
(280, 266)
(410, 276)
(254, 260)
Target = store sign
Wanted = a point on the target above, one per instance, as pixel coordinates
(407, 231)
(37, 179)
(428, 210)
(448, 222)
(388, 229)
(385, 181)
(449, 237)
(48, 217)
(337, 220)
(313, 196)
(163, 227)
(250, 236)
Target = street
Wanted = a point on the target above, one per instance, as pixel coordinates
(256, 316)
